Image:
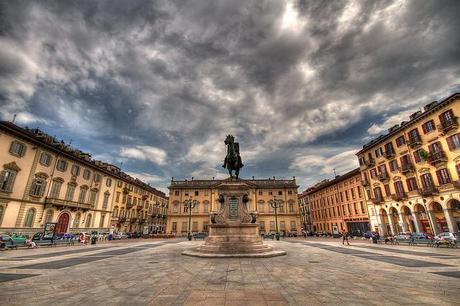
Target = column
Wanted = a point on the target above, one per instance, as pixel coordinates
(392, 227)
(403, 223)
(450, 220)
(381, 225)
(433, 224)
(418, 225)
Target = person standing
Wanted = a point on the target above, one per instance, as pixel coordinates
(345, 237)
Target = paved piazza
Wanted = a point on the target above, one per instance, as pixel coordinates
(146, 272)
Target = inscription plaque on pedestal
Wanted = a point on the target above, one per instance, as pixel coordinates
(233, 208)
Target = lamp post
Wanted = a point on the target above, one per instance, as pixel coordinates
(190, 204)
(276, 203)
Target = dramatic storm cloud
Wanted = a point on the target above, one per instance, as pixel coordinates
(156, 85)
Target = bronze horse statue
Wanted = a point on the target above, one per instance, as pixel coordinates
(232, 160)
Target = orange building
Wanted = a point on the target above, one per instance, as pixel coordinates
(339, 204)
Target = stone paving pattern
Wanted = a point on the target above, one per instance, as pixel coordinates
(155, 273)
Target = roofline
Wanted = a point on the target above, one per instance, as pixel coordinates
(21, 132)
(334, 181)
(441, 104)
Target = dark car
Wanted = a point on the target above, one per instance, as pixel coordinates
(40, 237)
(6, 242)
(368, 235)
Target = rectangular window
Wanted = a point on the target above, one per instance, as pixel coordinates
(70, 192)
(446, 118)
(38, 187)
(428, 127)
(6, 180)
(92, 197)
(174, 227)
(379, 152)
(453, 142)
(195, 226)
(414, 135)
(394, 165)
(280, 193)
(176, 193)
(427, 180)
(272, 225)
(399, 188)
(55, 189)
(184, 227)
(373, 172)
(45, 159)
(82, 195)
(105, 203)
(197, 193)
(17, 149)
(389, 148)
(262, 226)
(61, 165)
(205, 227)
(435, 147)
(282, 225)
(420, 155)
(101, 223)
(117, 198)
(400, 141)
(260, 193)
(411, 184)
(75, 170)
(443, 176)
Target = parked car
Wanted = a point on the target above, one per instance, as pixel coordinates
(421, 236)
(6, 242)
(41, 237)
(403, 236)
(368, 235)
(19, 239)
(447, 236)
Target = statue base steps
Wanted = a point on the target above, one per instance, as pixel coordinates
(239, 240)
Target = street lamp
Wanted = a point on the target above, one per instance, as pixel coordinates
(276, 203)
(190, 204)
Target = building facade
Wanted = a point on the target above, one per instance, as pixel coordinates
(206, 194)
(411, 174)
(304, 210)
(339, 205)
(44, 180)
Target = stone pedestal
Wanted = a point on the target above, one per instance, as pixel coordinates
(234, 231)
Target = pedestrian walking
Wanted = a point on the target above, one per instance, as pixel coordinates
(345, 238)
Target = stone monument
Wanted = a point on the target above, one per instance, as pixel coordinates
(234, 231)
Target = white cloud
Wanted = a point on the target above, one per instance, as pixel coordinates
(341, 163)
(146, 177)
(153, 154)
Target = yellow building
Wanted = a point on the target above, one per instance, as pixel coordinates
(206, 193)
(339, 205)
(43, 180)
(412, 173)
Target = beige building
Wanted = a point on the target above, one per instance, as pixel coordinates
(206, 193)
(43, 180)
(411, 174)
(339, 205)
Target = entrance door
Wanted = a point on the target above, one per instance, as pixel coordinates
(63, 223)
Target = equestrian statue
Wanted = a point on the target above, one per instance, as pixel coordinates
(232, 160)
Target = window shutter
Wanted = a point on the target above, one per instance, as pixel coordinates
(424, 128)
(416, 157)
(433, 125)
(438, 175)
(450, 143)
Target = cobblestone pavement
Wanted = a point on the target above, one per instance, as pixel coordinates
(314, 272)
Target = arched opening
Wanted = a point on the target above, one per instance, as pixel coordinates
(394, 216)
(30, 218)
(454, 207)
(63, 223)
(439, 219)
(76, 221)
(408, 219)
(386, 227)
(49, 216)
(421, 217)
(88, 220)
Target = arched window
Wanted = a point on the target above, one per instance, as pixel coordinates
(49, 216)
(76, 220)
(56, 188)
(82, 195)
(88, 220)
(37, 189)
(122, 212)
(30, 216)
(92, 196)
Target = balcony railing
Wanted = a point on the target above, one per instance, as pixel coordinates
(390, 154)
(377, 200)
(383, 177)
(65, 203)
(428, 191)
(407, 168)
(399, 196)
(370, 162)
(437, 158)
(448, 125)
(414, 142)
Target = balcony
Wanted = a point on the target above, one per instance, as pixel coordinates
(390, 154)
(407, 168)
(383, 177)
(428, 191)
(67, 204)
(414, 142)
(377, 200)
(437, 158)
(399, 196)
(370, 162)
(448, 125)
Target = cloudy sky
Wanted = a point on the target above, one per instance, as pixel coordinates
(156, 85)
